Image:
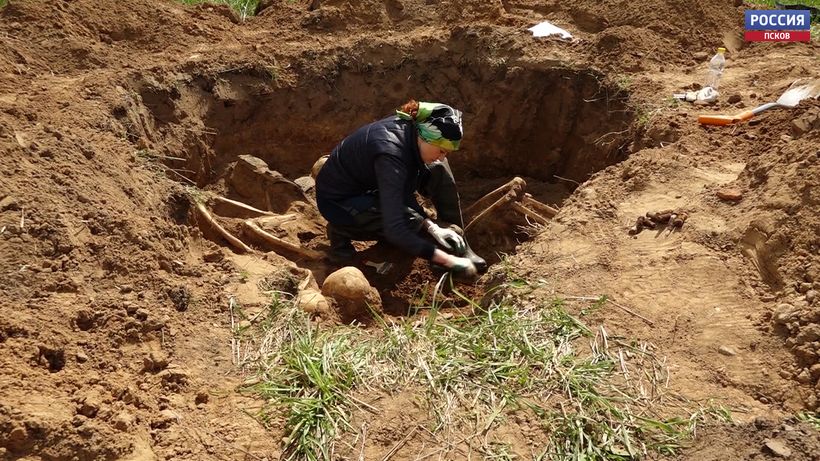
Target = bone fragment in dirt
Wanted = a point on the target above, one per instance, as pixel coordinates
(529, 213)
(516, 184)
(640, 224)
(679, 220)
(275, 220)
(540, 207)
(237, 206)
(279, 244)
(508, 197)
(674, 219)
(209, 220)
(660, 217)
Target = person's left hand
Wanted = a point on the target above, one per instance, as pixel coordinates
(447, 238)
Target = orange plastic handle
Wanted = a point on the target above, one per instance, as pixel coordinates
(724, 120)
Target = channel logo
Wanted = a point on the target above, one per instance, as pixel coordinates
(778, 26)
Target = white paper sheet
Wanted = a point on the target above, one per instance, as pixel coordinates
(546, 28)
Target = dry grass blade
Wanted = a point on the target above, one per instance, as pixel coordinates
(234, 345)
(400, 444)
(506, 356)
(631, 312)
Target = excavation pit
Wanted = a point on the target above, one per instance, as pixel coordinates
(552, 125)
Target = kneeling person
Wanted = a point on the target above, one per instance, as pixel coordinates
(366, 188)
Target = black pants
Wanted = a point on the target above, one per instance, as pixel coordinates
(365, 213)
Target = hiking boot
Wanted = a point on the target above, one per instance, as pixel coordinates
(341, 248)
(478, 261)
(438, 269)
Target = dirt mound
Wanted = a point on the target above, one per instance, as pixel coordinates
(631, 37)
(69, 38)
(762, 439)
(782, 183)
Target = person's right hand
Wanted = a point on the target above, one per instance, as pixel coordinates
(461, 266)
(456, 264)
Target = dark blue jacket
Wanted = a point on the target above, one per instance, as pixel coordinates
(381, 157)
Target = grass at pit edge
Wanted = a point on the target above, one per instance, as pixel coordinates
(512, 356)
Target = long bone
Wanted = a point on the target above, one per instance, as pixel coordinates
(208, 219)
(506, 198)
(516, 184)
(541, 208)
(280, 244)
(517, 206)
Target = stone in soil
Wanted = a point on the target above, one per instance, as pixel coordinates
(778, 448)
(730, 195)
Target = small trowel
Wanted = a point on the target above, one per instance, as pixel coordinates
(381, 268)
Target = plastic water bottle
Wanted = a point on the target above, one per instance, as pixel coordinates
(716, 65)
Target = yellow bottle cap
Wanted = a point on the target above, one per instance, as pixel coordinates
(721, 50)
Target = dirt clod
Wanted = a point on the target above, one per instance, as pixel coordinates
(52, 357)
(180, 296)
(174, 378)
(9, 203)
(155, 361)
(778, 448)
(123, 421)
(730, 195)
(202, 396)
(165, 419)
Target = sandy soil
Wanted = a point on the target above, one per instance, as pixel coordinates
(115, 324)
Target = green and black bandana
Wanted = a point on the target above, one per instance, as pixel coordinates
(438, 124)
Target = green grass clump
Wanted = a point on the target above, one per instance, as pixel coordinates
(244, 8)
(514, 356)
(810, 418)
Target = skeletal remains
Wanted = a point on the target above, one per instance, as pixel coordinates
(510, 196)
(673, 219)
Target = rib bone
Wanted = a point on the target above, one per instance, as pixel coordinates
(541, 208)
(208, 219)
(516, 184)
(279, 244)
(508, 197)
(529, 213)
(237, 209)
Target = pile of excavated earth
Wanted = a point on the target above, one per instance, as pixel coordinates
(156, 174)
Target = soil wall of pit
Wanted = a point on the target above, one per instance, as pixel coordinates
(531, 119)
